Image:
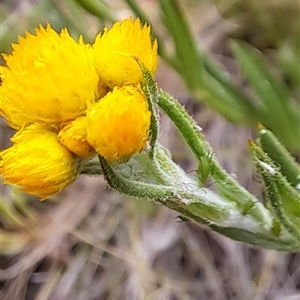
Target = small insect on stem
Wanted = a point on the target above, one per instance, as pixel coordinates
(182, 219)
(205, 168)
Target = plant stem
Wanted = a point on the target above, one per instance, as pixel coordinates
(245, 201)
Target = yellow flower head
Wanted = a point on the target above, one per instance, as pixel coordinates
(118, 124)
(73, 137)
(115, 48)
(37, 163)
(49, 77)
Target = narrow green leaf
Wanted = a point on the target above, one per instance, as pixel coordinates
(223, 101)
(151, 93)
(275, 199)
(283, 200)
(281, 157)
(97, 8)
(191, 67)
(220, 75)
(272, 94)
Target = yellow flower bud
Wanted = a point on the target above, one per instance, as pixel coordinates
(114, 51)
(49, 78)
(73, 137)
(118, 124)
(37, 163)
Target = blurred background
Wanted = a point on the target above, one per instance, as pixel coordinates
(89, 242)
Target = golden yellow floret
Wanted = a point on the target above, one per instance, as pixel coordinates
(115, 48)
(37, 163)
(49, 78)
(118, 125)
(73, 137)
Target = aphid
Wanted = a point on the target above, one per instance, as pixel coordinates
(205, 168)
(182, 219)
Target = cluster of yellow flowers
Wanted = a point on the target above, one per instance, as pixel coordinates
(69, 100)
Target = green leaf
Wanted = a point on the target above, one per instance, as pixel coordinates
(97, 8)
(281, 157)
(274, 103)
(279, 195)
(151, 92)
(190, 64)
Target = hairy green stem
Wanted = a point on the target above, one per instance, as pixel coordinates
(200, 147)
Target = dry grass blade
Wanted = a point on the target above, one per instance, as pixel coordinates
(53, 229)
